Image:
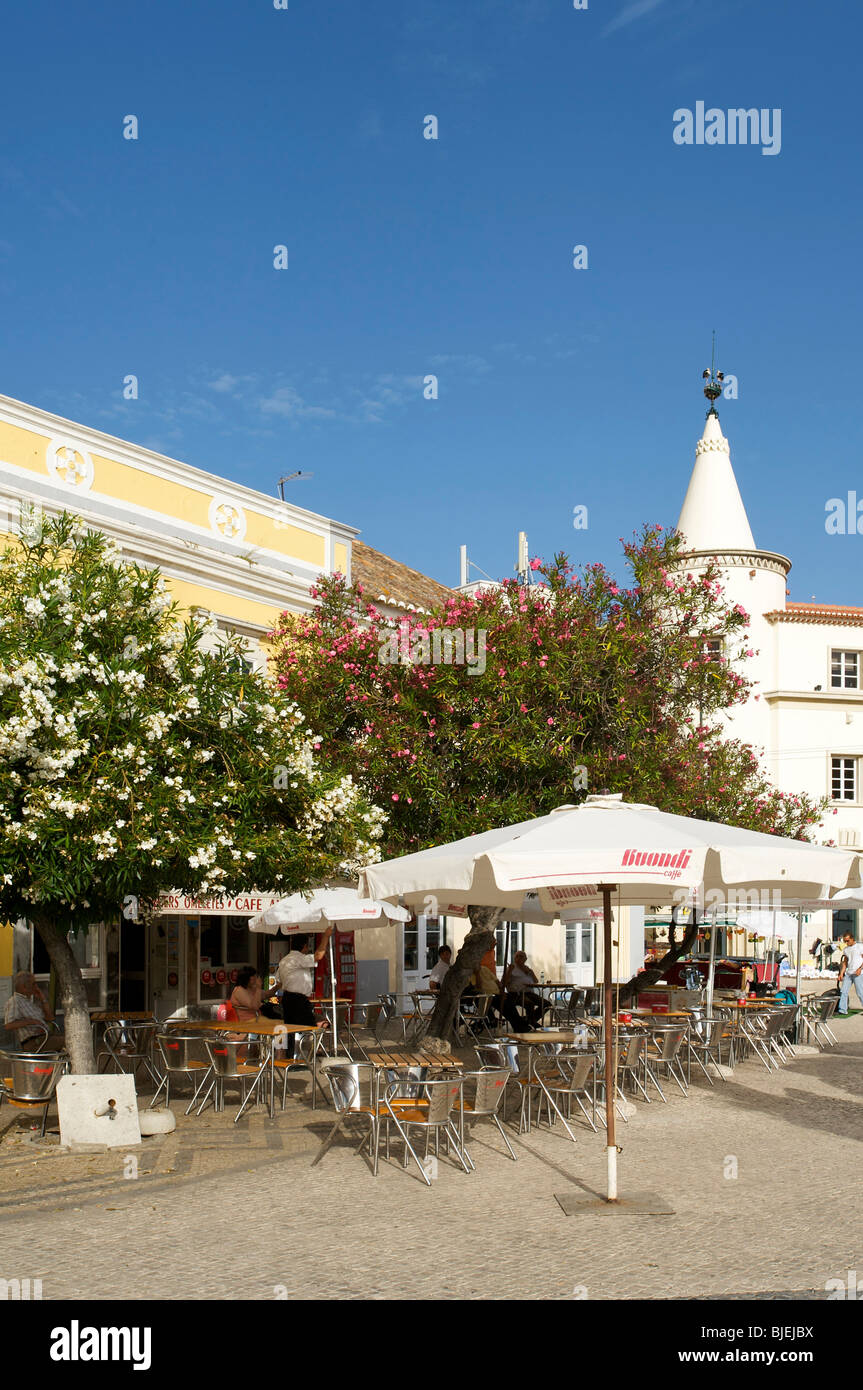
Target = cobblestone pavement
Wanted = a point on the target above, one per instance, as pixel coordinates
(224, 1211)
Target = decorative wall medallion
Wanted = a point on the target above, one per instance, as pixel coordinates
(70, 465)
(227, 519)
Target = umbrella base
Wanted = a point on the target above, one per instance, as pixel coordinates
(631, 1204)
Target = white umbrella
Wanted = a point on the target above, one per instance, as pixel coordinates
(580, 854)
(848, 898)
(330, 905)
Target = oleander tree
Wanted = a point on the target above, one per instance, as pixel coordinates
(578, 683)
(139, 753)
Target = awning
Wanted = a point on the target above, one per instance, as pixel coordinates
(246, 905)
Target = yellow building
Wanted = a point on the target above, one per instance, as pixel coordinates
(242, 558)
(227, 551)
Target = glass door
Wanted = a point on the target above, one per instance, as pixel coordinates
(421, 937)
(580, 953)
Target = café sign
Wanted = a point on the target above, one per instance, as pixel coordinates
(246, 905)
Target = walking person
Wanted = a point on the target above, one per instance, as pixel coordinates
(850, 968)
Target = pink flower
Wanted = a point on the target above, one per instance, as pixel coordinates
(523, 709)
(474, 726)
(549, 721)
(395, 796)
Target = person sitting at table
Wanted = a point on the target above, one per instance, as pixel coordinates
(444, 961)
(248, 995)
(486, 982)
(297, 978)
(517, 980)
(28, 1017)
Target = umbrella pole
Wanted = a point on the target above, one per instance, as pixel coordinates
(799, 968)
(711, 969)
(333, 994)
(505, 962)
(610, 1076)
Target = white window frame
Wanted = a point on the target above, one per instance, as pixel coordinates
(842, 653)
(855, 764)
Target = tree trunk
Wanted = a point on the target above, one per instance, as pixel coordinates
(479, 939)
(645, 978)
(73, 997)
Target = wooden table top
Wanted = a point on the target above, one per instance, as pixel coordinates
(549, 1036)
(264, 1027)
(415, 1059)
(120, 1016)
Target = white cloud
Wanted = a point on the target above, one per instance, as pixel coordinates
(637, 9)
(224, 383)
(288, 402)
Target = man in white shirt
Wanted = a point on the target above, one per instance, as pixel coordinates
(436, 978)
(296, 974)
(27, 1015)
(850, 968)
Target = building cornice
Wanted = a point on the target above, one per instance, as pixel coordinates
(173, 470)
(198, 564)
(826, 617)
(814, 697)
(739, 559)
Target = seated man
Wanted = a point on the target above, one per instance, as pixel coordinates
(517, 978)
(28, 1017)
(444, 961)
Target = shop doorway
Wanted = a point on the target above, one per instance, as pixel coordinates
(132, 966)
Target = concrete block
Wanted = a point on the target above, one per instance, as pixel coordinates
(86, 1105)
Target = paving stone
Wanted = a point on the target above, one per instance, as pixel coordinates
(760, 1152)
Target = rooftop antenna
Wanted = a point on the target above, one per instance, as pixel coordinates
(289, 477)
(522, 564)
(713, 380)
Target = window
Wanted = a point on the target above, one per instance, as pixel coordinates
(579, 934)
(85, 948)
(843, 779)
(411, 946)
(433, 940)
(516, 940)
(844, 919)
(845, 670)
(712, 647)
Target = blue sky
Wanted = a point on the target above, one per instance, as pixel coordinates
(454, 257)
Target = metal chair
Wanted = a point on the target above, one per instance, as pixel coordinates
(11, 1040)
(704, 1044)
(396, 1015)
(502, 1053)
(303, 1059)
(631, 1050)
(817, 1012)
(432, 1118)
(29, 1080)
(343, 1028)
(129, 1046)
(474, 1015)
(764, 1036)
(182, 1056)
(354, 1091)
(227, 1059)
(572, 1076)
(486, 1089)
(663, 1051)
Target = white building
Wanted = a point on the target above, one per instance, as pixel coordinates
(805, 711)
